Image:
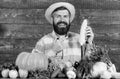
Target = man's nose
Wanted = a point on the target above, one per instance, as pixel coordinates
(62, 19)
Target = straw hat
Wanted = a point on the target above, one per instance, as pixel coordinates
(51, 8)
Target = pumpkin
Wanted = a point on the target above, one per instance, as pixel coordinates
(32, 61)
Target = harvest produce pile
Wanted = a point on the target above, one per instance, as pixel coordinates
(10, 70)
(98, 56)
(38, 69)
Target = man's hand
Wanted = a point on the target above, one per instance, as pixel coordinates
(57, 47)
(89, 35)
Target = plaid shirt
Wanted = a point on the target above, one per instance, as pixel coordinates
(65, 48)
(62, 49)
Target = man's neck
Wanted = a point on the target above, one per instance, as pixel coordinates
(61, 36)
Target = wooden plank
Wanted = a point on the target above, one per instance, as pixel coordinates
(24, 30)
(115, 59)
(36, 16)
(9, 44)
(29, 16)
(101, 16)
(109, 29)
(90, 4)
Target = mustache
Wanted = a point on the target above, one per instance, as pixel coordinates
(62, 22)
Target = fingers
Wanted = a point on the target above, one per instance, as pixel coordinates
(89, 34)
(89, 31)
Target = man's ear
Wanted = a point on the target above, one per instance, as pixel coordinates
(52, 19)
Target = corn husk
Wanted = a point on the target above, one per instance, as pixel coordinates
(82, 31)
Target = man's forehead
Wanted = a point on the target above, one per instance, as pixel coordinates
(61, 12)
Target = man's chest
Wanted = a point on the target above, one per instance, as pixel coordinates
(66, 47)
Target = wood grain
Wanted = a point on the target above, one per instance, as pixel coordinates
(36, 16)
(81, 4)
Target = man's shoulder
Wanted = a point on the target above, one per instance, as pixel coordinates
(49, 36)
(46, 38)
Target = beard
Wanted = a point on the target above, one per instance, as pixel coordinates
(61, 30)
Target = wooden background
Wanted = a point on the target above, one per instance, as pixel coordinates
(22, 24)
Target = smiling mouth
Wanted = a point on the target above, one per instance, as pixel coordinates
(62, 25)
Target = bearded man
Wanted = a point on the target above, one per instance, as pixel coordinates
(61, 44)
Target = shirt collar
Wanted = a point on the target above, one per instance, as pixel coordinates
(58, 36)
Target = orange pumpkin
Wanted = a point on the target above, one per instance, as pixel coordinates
(32, 61)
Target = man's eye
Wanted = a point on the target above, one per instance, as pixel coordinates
(57, 16)
(65, 16)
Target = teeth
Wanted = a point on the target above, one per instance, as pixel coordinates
(61, 24)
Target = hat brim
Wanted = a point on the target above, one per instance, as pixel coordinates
(50, 9)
